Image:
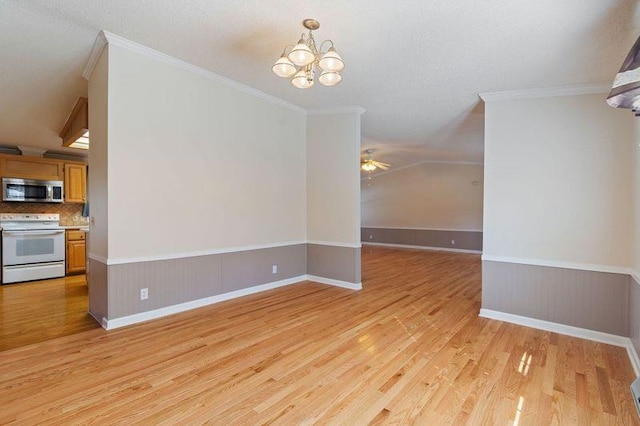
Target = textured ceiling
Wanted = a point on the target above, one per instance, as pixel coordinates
(415, 66)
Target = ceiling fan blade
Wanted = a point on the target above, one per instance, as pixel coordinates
(383, 166)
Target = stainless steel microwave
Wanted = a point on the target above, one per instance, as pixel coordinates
(28, 190)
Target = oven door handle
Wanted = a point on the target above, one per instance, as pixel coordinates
(32, 233)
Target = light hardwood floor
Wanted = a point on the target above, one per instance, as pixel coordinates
(407, 349)
(41, 310)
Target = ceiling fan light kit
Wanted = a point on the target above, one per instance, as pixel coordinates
(368, 167)
(368, 164)
(305, 59)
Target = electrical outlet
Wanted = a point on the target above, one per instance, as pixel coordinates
(274, 269)
(370, 237)
(144, 293)
(453, 242)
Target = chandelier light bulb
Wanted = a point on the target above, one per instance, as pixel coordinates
(330, 78)
(283, 67)
(331, 61)
(301, 54)
(301, 81)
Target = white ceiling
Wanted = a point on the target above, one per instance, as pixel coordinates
(415, 66)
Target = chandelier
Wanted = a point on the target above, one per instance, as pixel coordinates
(304, 59)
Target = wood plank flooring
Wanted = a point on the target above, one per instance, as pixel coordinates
(407, 349)
(41, 310)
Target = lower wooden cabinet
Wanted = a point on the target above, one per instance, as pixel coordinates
(76, 252)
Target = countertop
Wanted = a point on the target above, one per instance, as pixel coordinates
(79, 227)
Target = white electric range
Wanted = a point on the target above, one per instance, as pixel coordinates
(32, 247)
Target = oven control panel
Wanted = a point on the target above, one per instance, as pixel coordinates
(28, 217)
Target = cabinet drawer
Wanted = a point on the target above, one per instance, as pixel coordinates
(75, 235)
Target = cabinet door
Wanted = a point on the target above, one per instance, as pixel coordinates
(30, 167)
(75, 183)
(76, 256)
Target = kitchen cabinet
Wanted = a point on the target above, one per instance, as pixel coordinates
(76, 252)
(75, 183)
(18, 166)
(74, 174)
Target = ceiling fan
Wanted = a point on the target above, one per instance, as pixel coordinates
(368, 164)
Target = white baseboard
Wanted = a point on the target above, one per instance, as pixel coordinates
(337, 283)
(365, 243)
(633, 357)
(186, 306)
(583, 333)
(193, 304)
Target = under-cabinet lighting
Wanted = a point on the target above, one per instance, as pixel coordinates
(82, 142)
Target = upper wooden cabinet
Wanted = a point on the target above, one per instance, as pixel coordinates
(73, 174)
(75, 183)
(18, 166)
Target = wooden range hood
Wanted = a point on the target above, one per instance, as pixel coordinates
(75, 133)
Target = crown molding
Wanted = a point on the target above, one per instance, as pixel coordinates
(338, 110)
(98, 46)
(546, 92)
(105, 37)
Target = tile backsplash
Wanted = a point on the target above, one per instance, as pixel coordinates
(70, 214)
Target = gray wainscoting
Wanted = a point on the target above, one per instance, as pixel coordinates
(337, 263)
(634, 313)
(174, 281)
(250, 268)
(97, 279)
(592, 300)
(465, 240)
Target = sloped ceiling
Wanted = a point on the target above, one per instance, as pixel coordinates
(416, 67)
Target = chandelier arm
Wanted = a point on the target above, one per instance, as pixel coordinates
(322, 44)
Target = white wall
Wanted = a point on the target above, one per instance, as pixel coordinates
(634, 283)
(425, 196)
(635, 146)
(333, 190)
(196, 165)
(558, 175)
(98, 185)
